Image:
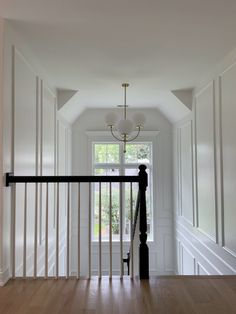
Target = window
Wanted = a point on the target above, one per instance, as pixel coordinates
(109, 159)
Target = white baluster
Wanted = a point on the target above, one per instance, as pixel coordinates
(25, 232)
(121, 232)
(36, 231)
(110, 226)
(89, 233)
(100, 231)
(78, 223)
(68, 233)
(46, 234)
(57, 232)
(13, 229)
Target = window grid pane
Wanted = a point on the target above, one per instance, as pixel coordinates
(138, 153)
(108, 160)
(106, 153)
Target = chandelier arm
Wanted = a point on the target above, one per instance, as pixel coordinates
(134, 138)
(113, 134)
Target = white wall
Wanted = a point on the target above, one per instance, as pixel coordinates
(205, 178)
(1, 148)
(29, 145)
(161, 250)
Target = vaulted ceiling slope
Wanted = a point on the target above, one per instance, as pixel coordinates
(156, 45)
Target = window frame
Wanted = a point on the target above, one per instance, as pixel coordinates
(106, 138)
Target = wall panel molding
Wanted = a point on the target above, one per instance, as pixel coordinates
(206, 251)
(212, 237)
(228, 154)
(167, 253)
(200, 270)
(205, 148)
(33, 148)
(211, 240)
(185, 178)
(187, 261)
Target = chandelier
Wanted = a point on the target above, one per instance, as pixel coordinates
(122, 129)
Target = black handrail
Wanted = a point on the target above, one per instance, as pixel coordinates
(10, 178)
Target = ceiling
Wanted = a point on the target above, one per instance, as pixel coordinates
(156, 45)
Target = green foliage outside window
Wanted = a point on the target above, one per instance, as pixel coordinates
(137, 153)
(108, 153)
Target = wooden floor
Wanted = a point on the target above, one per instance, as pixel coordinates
(158, 295)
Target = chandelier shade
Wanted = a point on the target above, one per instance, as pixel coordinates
(122, 129)
(125, 126)
(111, 119)
(139, 119)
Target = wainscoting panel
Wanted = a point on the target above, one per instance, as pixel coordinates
(228, 127)
(63, 168)
(33, 154)
(201, 270)
(168, 253)
(48, 131)
(48, 158)
(24, 102)
(205, 161)
(207, 247)
(61, 163)
(187, 261)
(185, 168)
(24, 145)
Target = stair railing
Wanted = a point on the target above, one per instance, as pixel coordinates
(12, 180)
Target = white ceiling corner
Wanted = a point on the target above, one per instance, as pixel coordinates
(64, 96)
(185, 96)
(72, 107)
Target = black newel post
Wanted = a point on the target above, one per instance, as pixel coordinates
(143, 248)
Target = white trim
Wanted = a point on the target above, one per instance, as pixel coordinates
(146, 136)
(199, 265)
(196, 238)
(188, 242)
(221, 230)
(182, 248)
(189, 124)
(211, 85)
(4, 277)
(215, 164)
(62, 119)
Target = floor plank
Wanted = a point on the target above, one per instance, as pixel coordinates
(167, 295)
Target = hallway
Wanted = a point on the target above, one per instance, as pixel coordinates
(205, 294)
